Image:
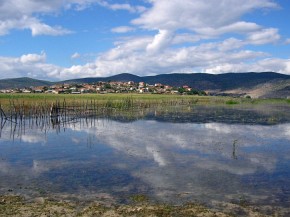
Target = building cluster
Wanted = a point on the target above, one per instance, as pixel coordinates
(107, 87)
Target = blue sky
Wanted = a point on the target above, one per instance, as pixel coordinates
(57, 40)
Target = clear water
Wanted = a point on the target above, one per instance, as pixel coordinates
(170, 158)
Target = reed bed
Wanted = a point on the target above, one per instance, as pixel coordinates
(15, 107)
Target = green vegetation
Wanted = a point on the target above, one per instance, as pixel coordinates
(231, 102)
(125, 101)
(191, 91)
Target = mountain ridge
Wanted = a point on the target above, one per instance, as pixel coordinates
(10, 83)
(247, 82)
(201, 81)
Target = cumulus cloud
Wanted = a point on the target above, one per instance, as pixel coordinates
(23, 14)
(127, 7)
(189, 38)
(28, 65)
(264, 65)
(33, 58)
(76, 55)
(203, 21)
(20, 15)
(160, 41)
(197, 14)
(264, 36)
(122, 29)
(238, 27)
(148, 56)
(36, 27)
(132, 57)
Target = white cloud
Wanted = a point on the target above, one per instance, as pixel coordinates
(28, 65)
(287, 41)
(22, 14)
(122, 29)
(190, 137)
(87, 70)
(127, 7)
(134, 56)
(264, 65)
(154, 55)
(33, 138)
(17, 14)
(187, 38)
(76, 55)
(178, 23)
(238, 27)
(33, 58)
(36, 27)
(264, 36)
(43, 29)
(168, 172)
(274, 65)
(161, 40)
(195, 14)
(231, 44)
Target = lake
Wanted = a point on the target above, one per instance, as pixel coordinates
(208, 155)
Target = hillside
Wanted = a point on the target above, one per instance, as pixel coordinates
(265, 84)
(273, 89)
(202, 81)
(219, 82)
(22, 83)
(125, 77)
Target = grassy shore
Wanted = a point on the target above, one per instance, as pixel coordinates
(39, 105)
(5, 99)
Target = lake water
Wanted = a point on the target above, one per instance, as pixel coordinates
(204, 155)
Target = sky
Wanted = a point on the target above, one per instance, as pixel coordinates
(66, 39)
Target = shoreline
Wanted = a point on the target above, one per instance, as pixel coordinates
(12, 205)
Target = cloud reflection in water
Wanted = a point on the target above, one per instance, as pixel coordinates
(187, 160)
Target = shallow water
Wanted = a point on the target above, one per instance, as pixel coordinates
(170, 157)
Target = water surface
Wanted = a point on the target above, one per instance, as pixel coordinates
(170, 157)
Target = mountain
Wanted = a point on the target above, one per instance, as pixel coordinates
(22, 83)
(278, 88)
(197, 80)
(125, 77)
(264, 84)
(220, 82)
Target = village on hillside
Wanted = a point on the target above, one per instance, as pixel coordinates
(108, 87)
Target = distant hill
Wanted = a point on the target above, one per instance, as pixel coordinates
(197, 80)
(125, 77)
(221, 82)
(264, 84)
(22, 83)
